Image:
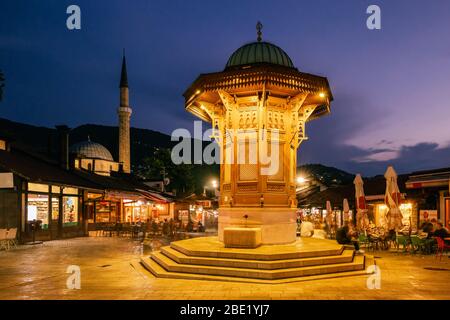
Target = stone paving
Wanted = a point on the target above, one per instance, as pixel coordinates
(110, 269)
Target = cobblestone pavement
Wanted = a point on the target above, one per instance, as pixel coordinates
(110, 269)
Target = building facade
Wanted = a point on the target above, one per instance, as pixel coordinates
(80, 189)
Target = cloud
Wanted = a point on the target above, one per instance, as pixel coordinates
(378, 156)
(407, 159)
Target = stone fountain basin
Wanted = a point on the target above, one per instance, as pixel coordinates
(242, 237)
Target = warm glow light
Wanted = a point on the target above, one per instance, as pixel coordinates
(214, 183)
(197, 92)
(322, 95)
(301, 180)
(202, 107)
(405, 206)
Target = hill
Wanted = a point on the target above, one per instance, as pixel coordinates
(329, 176)
(44, 140)
(144, 143)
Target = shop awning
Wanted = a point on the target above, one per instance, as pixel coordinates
(441, 179)
(154, 196)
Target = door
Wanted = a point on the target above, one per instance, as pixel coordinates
(54, 225)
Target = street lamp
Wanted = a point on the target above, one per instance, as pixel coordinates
(214, 185)
(301, 180)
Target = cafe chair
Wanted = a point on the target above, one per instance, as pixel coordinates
(418, 244)
(441, 246)
(402, 241)
(3, 239)
(11, 238)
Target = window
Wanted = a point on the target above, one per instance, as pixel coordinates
(70, 211)
(55, 209)
(406, 210)
(38, 209)
(37, 187)
(73, 191)
(105, 211)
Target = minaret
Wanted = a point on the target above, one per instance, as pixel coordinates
(124, 112)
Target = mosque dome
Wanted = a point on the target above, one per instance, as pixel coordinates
(259, 52)
(91, 150)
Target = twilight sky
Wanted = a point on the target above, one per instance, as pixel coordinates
(391, 86)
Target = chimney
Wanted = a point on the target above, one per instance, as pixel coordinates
(63, 146)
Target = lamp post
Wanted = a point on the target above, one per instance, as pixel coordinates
(301, 180)
(214, 185)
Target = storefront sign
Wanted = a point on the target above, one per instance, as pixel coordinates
(6, 180)
(428, 215)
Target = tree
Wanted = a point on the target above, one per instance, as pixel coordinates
(181, 176)
(2, 84)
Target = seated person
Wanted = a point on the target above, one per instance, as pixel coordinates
(306, 228)
(428, 228)
(440, 231)
(346, 235)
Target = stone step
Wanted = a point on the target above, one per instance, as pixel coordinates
(181, 258)
(160, 272)
(172, 266)
(303, 248)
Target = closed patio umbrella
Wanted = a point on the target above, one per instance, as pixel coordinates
(329, 213)
(392, 200)
(346, 209)
(362, 219)
(329, 217)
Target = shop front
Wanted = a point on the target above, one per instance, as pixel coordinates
(432, 189)
(317, 215)
(409, 210)
(55, 210)
(124, 207)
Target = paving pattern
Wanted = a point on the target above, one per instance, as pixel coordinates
(110, 269)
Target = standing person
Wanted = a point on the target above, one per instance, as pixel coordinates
(147, 227)
(190, 226)
(171, 227)
(154, 227)
(347, 235)
(165, 227)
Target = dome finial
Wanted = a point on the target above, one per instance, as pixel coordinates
(259, 27)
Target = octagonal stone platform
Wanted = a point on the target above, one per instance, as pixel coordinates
(208, 259)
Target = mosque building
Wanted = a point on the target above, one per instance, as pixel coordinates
(83, 189)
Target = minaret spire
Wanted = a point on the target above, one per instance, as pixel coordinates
(123, 74)
(124, 111)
